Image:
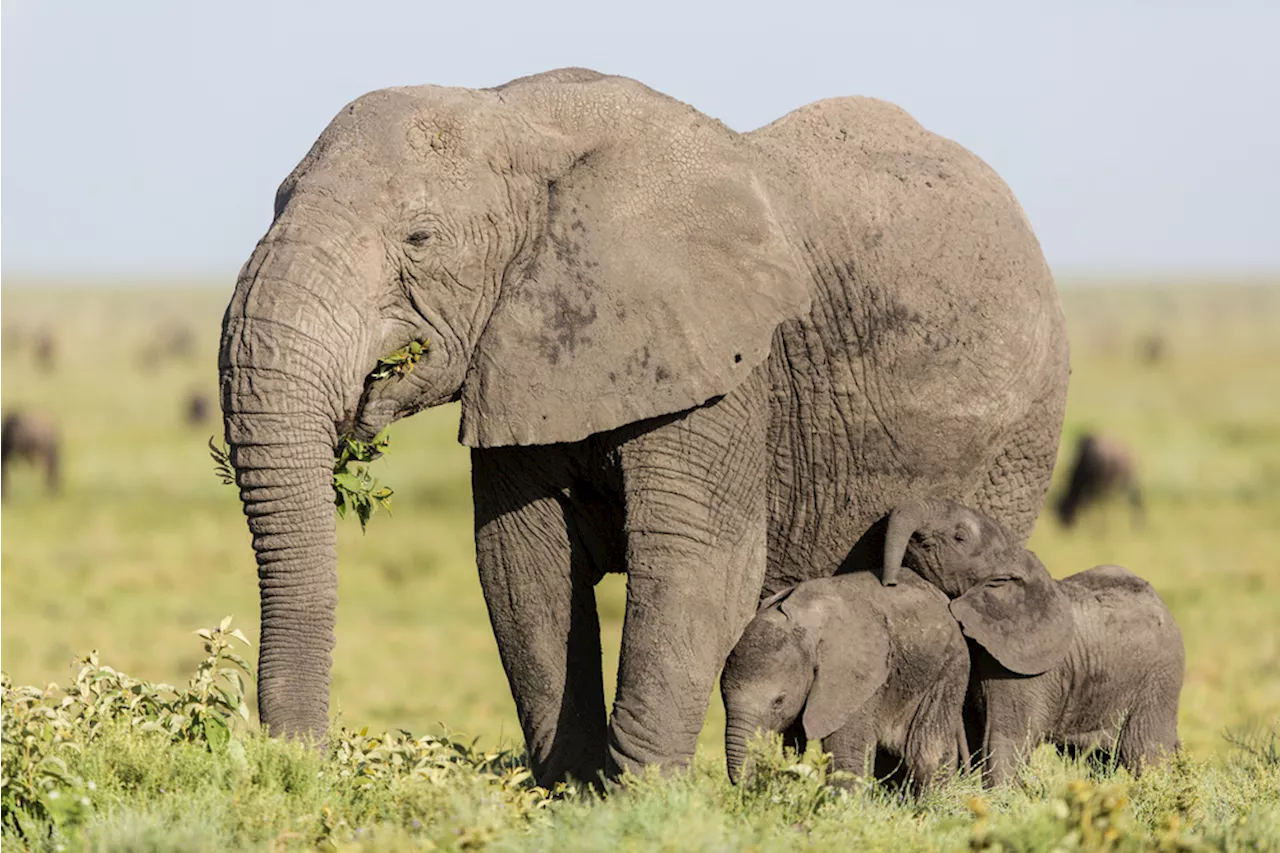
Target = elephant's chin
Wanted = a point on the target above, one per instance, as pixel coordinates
(372, 418)
(435, 380)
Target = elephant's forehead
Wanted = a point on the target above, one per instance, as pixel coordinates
(417, 143)
(397, 123)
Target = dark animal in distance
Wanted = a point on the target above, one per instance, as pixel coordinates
(45, 350)
(28, 436)
(1102, 467)
(1152, 349)
(198, 409)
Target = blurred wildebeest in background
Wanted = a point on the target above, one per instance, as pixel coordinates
(198, 408)
(25, 435)
(45, 350)
(1152, 348)
(1102, 467)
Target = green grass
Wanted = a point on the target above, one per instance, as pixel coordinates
(144, 544)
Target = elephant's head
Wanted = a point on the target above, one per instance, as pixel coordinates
(1003, 597)
(578, 251)
(803, 657)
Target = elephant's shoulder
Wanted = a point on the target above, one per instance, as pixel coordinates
(1118, 598)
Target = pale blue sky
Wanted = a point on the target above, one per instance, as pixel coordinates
(148, 138)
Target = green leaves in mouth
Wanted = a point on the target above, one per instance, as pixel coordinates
(401, 362)
(353, 486)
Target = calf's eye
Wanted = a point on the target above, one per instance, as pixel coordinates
(418, 238)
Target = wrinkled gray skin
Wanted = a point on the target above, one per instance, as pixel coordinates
(1091, 661)
(33, 438)
(859, 667)
(689, 354)
(1103, 467)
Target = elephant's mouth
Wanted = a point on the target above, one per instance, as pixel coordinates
(399, 385)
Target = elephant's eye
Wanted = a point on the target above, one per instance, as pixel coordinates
(418, 238)
(778, 700)
(962, 535)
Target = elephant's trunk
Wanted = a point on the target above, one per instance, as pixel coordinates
(904, 520)
(282, 368)
(736, 734)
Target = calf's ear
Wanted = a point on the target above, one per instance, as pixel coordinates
(1022, 618)
(852, 664)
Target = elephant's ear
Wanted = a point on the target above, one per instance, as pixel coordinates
(1023, 619)
(660, 277)
(853, 663)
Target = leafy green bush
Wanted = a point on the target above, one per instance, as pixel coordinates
(44, 729)
(115, 762)
(108, 738)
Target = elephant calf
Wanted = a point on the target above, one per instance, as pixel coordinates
(1091, 661)
(860, 667)
(28, 436)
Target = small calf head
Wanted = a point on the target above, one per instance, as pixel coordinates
(1003, 597)
(801, 657)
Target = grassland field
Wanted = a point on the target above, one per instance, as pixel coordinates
(143, 544)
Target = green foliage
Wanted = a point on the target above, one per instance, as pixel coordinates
(78, 758)
(222, 467)
(401, 362)
(43, 728)
(115, 762)
(353, 485)
(1257, 743)
(793, 786)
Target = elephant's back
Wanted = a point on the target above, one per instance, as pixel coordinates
(935, 357)
(1126, 641)
(1120, 600)
(922, 240)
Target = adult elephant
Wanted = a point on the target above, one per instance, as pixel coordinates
(681, 352)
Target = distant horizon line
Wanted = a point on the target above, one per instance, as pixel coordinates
(192, 280)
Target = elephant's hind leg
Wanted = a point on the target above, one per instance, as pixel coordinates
(538, 582)
(1149, 734)
(1016, 481)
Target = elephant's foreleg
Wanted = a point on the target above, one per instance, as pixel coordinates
(853, 745)
(695, 552)
(538, 585)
